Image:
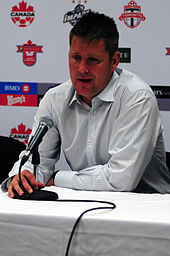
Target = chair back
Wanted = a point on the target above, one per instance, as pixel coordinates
(9, 154)
(168, 159)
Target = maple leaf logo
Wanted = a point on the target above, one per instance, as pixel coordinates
(21, 133)
(29, 43)
(22, 8)
(22, 16)
(29, 51)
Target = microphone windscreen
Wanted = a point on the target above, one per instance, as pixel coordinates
(47, 120)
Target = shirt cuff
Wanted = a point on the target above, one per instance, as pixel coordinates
(64, 179)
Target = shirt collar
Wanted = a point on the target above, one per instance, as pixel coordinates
(74, 98)
(108, 93)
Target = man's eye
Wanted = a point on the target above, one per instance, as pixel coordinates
(94, 60)
(76, 58)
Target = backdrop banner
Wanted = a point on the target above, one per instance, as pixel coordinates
(34, 49)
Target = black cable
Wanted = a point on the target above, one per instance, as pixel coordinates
(55, 198)
(113, 206)
(19, 173)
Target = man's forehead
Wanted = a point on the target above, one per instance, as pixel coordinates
(79, 43)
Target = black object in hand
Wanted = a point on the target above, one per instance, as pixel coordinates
(39, 195)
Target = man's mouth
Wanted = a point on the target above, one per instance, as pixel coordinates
(84, 80)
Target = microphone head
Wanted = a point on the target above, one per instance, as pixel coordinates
(47, 120)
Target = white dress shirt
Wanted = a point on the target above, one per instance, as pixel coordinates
(115, 145)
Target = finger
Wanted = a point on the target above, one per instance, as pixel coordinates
(29, 181)
(10, 191)
(12, 186)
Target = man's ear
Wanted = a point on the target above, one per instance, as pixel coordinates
(115, 60)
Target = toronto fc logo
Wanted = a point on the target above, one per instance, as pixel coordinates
(132, 15)
(29, 52)
(22, 16)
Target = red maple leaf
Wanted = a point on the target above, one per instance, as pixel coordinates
(29, 43)
(22, 8)
(21, 130)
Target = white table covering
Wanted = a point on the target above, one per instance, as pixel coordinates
(138, 226)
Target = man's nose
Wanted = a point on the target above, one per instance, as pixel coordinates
(83, 67)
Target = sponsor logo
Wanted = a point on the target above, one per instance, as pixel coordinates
(73, 16)
(18, 88)
(18, 100)
(162, 94)
(168, 51)
(21, 134)
(29, 51)
(11, 100)
(125, 55)
(161, 91)
(22, 16)
(12, 88)
(132, 15)
(26, 88)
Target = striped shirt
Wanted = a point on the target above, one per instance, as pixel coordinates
(114, 145)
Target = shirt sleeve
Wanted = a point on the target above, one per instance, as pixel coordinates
(131, 147)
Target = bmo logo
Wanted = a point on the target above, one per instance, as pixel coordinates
(26, 88)
(13, 88)
(18, 88)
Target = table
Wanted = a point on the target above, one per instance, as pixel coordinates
(138, 226)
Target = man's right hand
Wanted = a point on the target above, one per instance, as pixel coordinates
(26, 177)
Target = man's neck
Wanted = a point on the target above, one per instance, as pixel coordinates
(86, 100)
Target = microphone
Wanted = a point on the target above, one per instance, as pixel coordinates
(45, 123)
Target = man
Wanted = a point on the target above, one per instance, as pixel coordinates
(105, 119)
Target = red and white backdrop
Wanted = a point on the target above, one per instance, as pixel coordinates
(34, 52)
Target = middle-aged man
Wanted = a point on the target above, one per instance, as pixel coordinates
(106, 120)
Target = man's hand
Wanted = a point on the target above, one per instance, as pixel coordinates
(25, 177)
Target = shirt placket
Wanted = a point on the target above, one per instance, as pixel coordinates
(91, 144)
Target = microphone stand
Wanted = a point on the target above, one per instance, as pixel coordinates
(35, 161)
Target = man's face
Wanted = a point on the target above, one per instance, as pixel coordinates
(90, 67)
